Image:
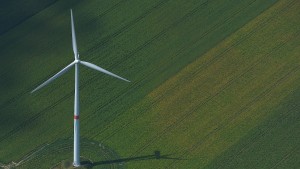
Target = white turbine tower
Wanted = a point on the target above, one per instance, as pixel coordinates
(76, 62)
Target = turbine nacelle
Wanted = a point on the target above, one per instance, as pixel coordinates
(76, 61)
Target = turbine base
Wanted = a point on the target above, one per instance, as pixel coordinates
(76, 164)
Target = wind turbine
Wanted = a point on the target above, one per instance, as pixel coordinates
(76, 63)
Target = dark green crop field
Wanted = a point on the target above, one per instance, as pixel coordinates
(214, 84)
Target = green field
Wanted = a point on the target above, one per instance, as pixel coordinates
(214, 84)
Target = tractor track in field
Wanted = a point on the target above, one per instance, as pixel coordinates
(124, 28)
(66, 145)
(108, 153)
(286, 157)
(199, 70)
(155, 37)
(24, 159)
(109, 10)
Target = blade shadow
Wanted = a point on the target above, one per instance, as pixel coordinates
(156, 156)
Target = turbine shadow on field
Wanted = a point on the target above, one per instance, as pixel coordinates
(156, 156)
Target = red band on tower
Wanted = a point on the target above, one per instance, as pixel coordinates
(76, 117)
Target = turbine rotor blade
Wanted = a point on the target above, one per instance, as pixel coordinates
(64, 70)
(95, 67)
(74, 44)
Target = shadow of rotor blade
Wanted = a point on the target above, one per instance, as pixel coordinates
(170, 158)
(124, 160)
(155, 156)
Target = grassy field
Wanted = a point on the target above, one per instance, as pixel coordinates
(214, 83)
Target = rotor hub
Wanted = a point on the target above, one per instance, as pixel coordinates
(76, 61)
